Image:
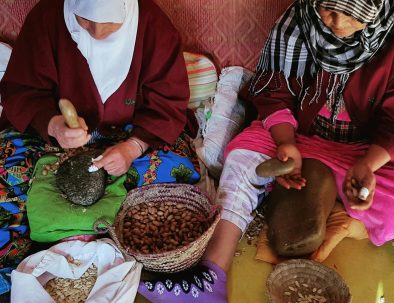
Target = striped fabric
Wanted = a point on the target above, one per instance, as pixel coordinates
(363, 11)
(202, 79)
(301, 43)
(338, 131)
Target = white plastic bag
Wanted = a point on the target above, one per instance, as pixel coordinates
(224, 121)
(5, 53)
(117, 279)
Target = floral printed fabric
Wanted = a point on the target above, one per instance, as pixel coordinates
(18, 156)
(168, 164)
(205, 283)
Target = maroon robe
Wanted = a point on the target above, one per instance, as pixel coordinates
(46, 65)
(368, 96)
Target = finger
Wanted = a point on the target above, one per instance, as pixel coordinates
(82, 123)
(354, 182)
(282, 156)
(105, 161)
(283, 182)
(354, 192)
(73, 133)
(350, 197)
(360, 206)
(348, 184)
(117, 172)
(294, 184)
(78, 142)
(72, 143)
(299, 179)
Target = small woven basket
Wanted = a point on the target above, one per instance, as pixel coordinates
(303, 280)
(178, 259)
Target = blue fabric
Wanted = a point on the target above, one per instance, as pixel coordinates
(165, 167)
(18, 156)
(5, 280)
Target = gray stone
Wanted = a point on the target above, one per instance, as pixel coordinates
(78, 184)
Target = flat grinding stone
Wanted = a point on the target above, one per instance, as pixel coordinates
(297, 218)
(78, 184)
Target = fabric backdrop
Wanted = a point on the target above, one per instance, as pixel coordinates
(231, 32)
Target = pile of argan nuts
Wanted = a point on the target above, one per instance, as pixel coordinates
(160, 227)
(68, 153)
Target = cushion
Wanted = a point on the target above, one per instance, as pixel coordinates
(5, 53)
(202, 79)
(222, 119)
(52, 217)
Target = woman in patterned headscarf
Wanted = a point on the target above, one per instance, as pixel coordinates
(323, 89)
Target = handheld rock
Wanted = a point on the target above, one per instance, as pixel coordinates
(274, 167)
(69, 113)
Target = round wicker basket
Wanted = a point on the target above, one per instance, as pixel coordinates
(191, 198)
(303, 280)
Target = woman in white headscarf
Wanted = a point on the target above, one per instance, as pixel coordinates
(120, 63)
(324, 90)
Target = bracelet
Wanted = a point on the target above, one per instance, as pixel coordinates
(138, 144)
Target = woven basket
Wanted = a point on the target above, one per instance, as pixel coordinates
(178, 259)
(306, 281)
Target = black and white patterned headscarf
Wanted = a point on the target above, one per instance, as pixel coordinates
(300, 42)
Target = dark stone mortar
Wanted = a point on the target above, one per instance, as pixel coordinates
(76, 182)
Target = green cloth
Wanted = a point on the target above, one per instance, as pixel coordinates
(52, 218)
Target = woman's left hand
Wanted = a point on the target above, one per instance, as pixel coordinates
(359, 175)
(116, 160)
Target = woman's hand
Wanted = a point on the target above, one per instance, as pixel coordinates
(68, 137)
(359, 175)
(362, 175)
(116, 160)
(293, 179)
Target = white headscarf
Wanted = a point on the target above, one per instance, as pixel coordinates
(109, 59)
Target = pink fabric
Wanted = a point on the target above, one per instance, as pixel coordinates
(231, 32)
(280, 116)
(84, 238)
(342, 116)
(339, 157)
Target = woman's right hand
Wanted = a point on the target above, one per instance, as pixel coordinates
(68, 137)
(293, 179)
